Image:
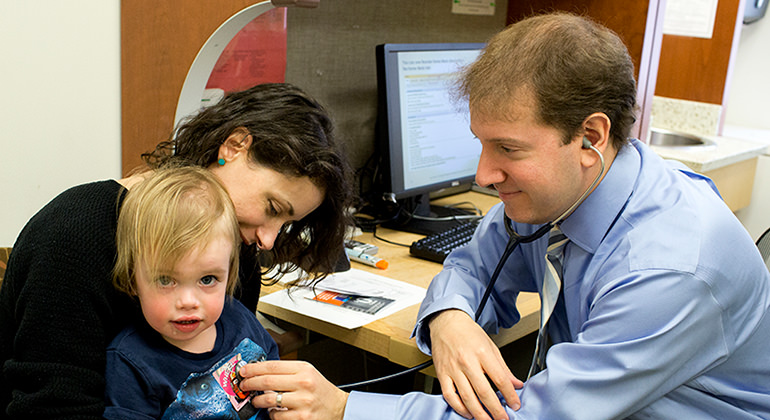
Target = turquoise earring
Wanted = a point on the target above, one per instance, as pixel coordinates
(221, 162)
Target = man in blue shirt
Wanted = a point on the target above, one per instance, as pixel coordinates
(665, 297)
(664, 306)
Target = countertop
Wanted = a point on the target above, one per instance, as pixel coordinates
(735, 145)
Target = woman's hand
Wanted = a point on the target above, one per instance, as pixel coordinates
(304, 392)
(463, 354)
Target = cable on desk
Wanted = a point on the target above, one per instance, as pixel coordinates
(410, 214)
(374, 234)
(371, 225)
(446, 218)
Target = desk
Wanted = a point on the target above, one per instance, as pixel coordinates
(389, 337)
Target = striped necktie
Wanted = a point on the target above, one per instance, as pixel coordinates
(549, 295)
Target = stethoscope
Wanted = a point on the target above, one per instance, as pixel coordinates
(513, 241)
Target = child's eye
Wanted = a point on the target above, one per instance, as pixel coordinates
(164, 281)
(208, 280)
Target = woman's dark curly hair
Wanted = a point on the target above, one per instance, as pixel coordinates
(291, 134)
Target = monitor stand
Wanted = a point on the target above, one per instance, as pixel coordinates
(421, 206)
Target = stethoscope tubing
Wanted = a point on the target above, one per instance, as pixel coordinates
(513, 241)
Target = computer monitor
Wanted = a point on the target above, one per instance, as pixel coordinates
(423, 132)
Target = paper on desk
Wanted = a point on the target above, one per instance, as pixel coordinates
(353, 281)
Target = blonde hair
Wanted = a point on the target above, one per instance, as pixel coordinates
(170, 213)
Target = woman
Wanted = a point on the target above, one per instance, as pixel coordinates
(272, 148)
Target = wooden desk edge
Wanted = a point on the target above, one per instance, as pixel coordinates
(389, 337)
(398, 349)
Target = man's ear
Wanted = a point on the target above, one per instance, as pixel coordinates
(238, 142)
(596, 130)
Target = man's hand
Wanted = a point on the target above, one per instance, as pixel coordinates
(304, 392)
(464, 357)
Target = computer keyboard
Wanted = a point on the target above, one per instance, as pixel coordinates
(437, 246)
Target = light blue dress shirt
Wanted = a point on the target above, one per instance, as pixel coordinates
(665, 314)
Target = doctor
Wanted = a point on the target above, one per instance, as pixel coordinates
(662, 309)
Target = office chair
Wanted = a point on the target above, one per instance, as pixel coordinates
(763, 243)
(4, 254)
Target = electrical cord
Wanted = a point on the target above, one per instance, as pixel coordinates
(376, 236)
(513, 241)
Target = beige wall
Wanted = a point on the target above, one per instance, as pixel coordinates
(60, 106)
(749, 93)
(747, 114)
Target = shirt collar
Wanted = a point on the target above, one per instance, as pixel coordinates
(588, 224)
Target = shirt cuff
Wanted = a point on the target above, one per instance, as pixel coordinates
(421, 334)
(365, 405)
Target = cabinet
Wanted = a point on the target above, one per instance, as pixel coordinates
(697, 69)
(735, 182)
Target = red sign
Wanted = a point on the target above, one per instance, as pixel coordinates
(257, 54)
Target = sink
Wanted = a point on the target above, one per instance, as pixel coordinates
(660, 137)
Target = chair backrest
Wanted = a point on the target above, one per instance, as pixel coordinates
(763, 243)
(4, 253)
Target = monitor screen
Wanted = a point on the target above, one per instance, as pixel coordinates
(423, 133)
